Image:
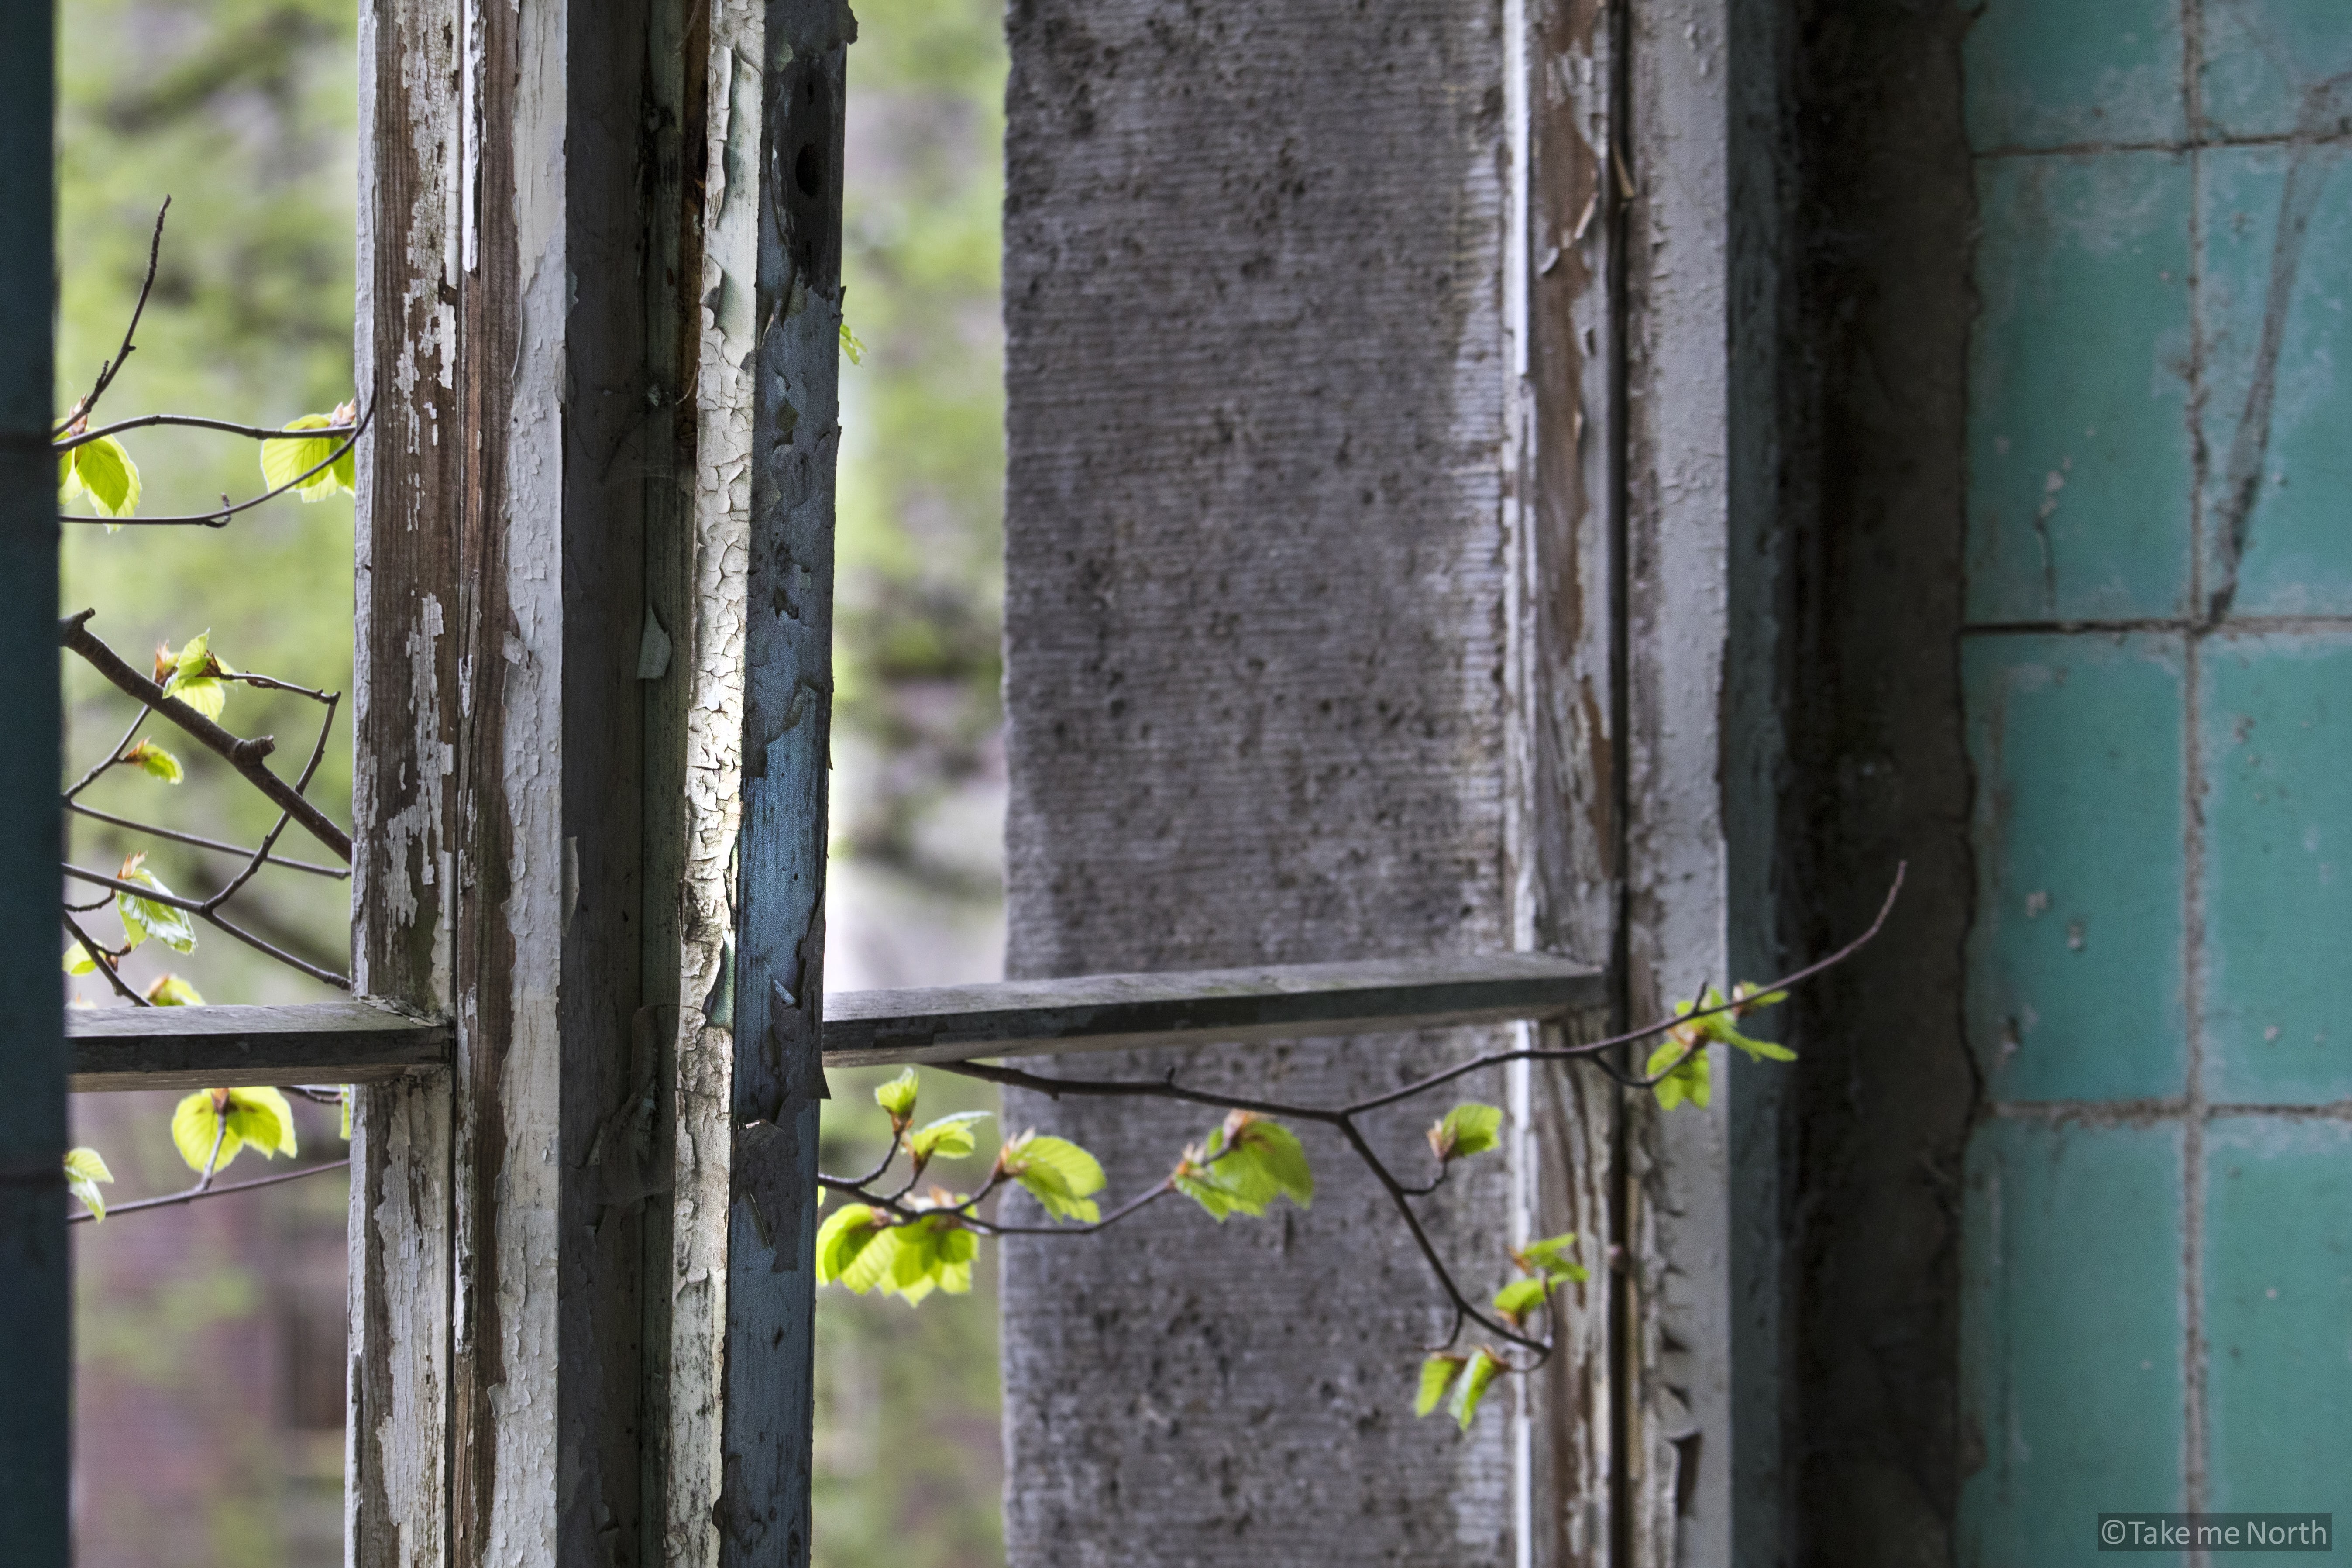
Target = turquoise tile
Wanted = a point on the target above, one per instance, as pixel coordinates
(2075, 957)
(2278, 401)
(2072, 1335)
(2057, 73)
(2080, 469)
(2265, 58)
(2278, 1315)
(2276, 730)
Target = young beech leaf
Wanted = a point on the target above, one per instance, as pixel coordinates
(144, 918)
(1273, 1150)
(171, 991)
(194, 675)
(284, 461)
(84, 1170)
(1468, 1129)
(1750, 998)
(842, 1238)
(78, 960)
(257, 1116)
(262, 1118)
(865, 1264)
(100, 475)
(1519, 1298)
(195, 1123)
(346, 1094)
(1476, 1377)
(898, 1096)
(1059, 1174)
(154, 761)
(934, 1253)
(1205, 1187)
(1718, 1026)
(948, 1138)
(1688, 1081)
(1551, 1256)
(1437, 1375)
(851, 346)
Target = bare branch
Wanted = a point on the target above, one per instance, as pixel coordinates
(230, 509)
(105, 962)
(341, 873)
(244, 755)
(191, 421)
(192, 1193)
(114, 367)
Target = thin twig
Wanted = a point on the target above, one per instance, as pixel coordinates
(98, 770)
(192, 1193)
(341, 873)
(114, 367)
(219, 519)
(105, 962)
(257, 432)
(244, 755)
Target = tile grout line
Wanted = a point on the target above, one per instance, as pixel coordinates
(2194, 1455)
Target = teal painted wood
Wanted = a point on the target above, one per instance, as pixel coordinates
(763, 1505)
(2158, 1250)
(35, 1285)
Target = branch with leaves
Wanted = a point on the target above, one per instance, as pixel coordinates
(909, 1245)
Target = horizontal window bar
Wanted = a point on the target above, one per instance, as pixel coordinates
(205, 1047)
(361, 1040)
(1282, 1002)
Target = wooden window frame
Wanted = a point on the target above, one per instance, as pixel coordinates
(609, 243)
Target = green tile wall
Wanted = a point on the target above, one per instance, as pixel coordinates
(2075, 988)
(2158, 676)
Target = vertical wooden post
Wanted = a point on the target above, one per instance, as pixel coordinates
(35, 1285)
(595, 690)
(763, 1504)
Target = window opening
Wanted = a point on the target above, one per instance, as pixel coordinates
(208, 1349)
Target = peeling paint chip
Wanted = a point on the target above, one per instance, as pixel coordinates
(653, 649)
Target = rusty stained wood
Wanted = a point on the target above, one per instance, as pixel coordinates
(1274, 1002)
(356, 1041)
(1565, 830)
(524, 201)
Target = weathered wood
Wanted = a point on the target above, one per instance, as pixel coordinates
(1110, 1012)
(778, 980)
(528, 327)
(358, 1041)
(35, 1288)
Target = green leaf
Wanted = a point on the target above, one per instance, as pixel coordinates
(78, 960)
(948, 1138)
(868, 1264)
(1437, 1375)
(1519, 1298)
(842, 1238)
(154, 761)
(100, 473)
(851, 346)
(1476, 1377)
(1468, 1129)
(144, 918)
(84, 1170)
(347, 1096)
(898, 1096)
(1688, 1082)
(192, 675)
(1059, 1174)
(1248, 1162)
(171, 991)
(283, 461)
(1552, 1256)
(262, 1118)
(195, 1121)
